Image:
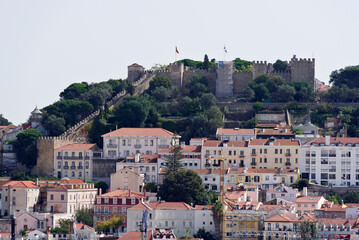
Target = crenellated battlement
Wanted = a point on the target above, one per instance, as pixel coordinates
(259, 62)
(304, 60)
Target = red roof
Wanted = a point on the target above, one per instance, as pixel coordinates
(161, 206)
(186, 149)
(148, 132)
(147, 158)
(276, 142)
(80, 226)
(24, 184)
(123, 193)
(203, 207)
(235, 131)
(208, 171)
(308, 199)
(72, 181)
(4, 235)
(218, 143)
(77, 146)
(335, 140)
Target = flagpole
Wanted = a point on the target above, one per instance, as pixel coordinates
(224, 53)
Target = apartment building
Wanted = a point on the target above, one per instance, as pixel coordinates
(128, 179)
(273, 153)
(125, 142)
(232, 153)
(18, 196)
(67, 196)
(147, 165)
(211, 178)
(74, 161)
(282, 192)
(118, 201)
(308, 204)
(190, 156)
(331, 161)
(235, 134)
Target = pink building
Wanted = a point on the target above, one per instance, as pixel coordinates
(32, 220)
(307, 204)
(117, 201)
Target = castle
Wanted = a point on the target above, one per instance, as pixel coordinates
(224, 82)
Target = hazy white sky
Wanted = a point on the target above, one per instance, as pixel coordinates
(47, 45)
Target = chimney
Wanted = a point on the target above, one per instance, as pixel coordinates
(327, 140)
(305, 191)
(137, 157)
(183, 144)
(37, 182)
(129, 192)
(100, 191)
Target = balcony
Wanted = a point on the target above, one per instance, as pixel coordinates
(207, 165)
(242, 155)
(73, 157)
(112, 145)
(288, 154)
(137, 145)
(73, 167)
(163, 146)
(80, 167)
(253, 163)
(288, 164)
(66, 167)
(87, 157)
(216, 165)
(253, 154)
(59, 157)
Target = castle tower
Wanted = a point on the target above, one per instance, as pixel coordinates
(224, 81)
(135, 72)
(35, 118)
(302, 70)
(259, 68)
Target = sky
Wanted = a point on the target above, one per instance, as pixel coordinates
(46, 45)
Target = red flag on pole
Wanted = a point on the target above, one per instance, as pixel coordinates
(177, 50)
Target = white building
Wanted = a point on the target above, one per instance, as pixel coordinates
(236, 134)
(190, 156)
(203, 218)
(125, 142)
(283, 192)
(331, 161)
(211, 178)
(74, 161)
(174, 215)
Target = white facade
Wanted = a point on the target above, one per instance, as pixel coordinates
(203, 218)
(331, 161)
(190, 156)
(284, 192)
(235, 134)
(125, 142)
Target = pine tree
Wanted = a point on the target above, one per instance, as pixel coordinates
(205, 62)
(173, 161)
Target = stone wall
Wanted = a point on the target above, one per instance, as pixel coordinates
(102, 168)
(45, 156)
(240, 81)
(224, 81)
(318, 190)
(303, 70)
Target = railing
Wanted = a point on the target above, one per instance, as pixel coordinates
(66, 167)
(80, 167)
(137, 145)
(87, 157)
(73, 167)
(253, 163)
(112, 145)
(59, 157)
(208, 165)
(242, 155)
(216, 165)
(288, 164)
(253, 154)
(73, 157)
(288, 154)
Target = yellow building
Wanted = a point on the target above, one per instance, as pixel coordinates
(273, 153)
(242, 220)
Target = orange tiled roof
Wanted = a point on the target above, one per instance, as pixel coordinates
(203, 207)
(150, 132)
(218, 143)
(3, 182)
(308, 199)
(80, 226)
(162, 206)
(337, 221)
(77, 146)
(24, 184)
(280, 218)
(72, 181)
(267, 207)
(343, 140)
(208, 171)
(186, 149)
(123, 193)
(272, 131)
(147, 158)
(235, 131)
(276, 142)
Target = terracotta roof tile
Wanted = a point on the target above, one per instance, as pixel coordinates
(150, 132)
(308, 199)
(77, 146)
(186, 149)
(208, 171)
(203, 207)
(218, 143)
(72, 181)
(276, 142)
(162, 206)
(147, 158)
(272, 131)
(335, 140)
(235, 131)
(24, 184)
(81, 226)
(123, 193)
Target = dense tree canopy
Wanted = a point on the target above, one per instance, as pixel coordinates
(55, 125)
(4, 121)
(25, 147)
(188, 183)
(242, 65)
(280, 65)
(74, 91)
(173, 161)
(85, 216)
(349, 76)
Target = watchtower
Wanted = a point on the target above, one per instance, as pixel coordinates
(224, 81)
(135, 72)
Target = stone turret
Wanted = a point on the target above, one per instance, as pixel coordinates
(135, 72)
(35, 118)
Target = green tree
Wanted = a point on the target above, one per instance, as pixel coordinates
(74, 91)
(132, 112)
(308, 230)
(242, 65)
(334, 198)
(130, 89)
(188, 183)
(160, 81)
(351, 197)
(150, 187)
(25, 147)
(85, 216)
(161, 93)
(205, 62)
(202, 233)
(209, 197)
(173, 161)
(257, 106)
(207, 100)
(274, 83)
(300, 184)
(104, 187)
(196, 86)
(4, 121)
(217, 210)
(116, 220)
(261, 92)
(55, 125)
(63, 226)
(98, 128)
(280, 65)
(348, 76)
(248, 93)
(97, 94)
(285, 93)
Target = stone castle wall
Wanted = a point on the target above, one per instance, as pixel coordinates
(45, 156)
(240, 81)
(303, 70)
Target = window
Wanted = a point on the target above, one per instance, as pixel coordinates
(151, 142)
(230, 153)
(133, 201)
(265, 151)
(62, 197)
(123, 142)
(52, 197)
(80, 174)
(146, 142)
(87, 165)
(129, 142)
(72, 174)
(114, 200)
(153, 169)
(58, 164)
(276, 160)
(106, 200)
(126, 179)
